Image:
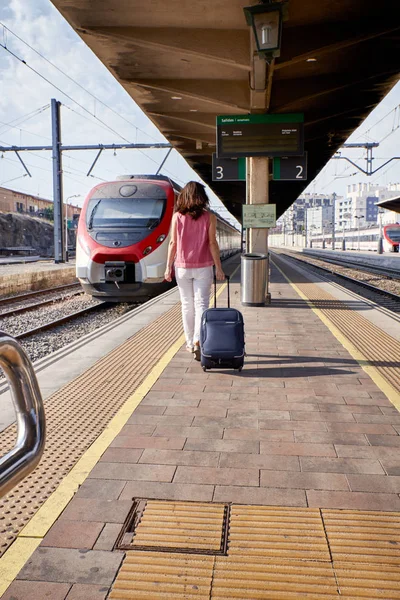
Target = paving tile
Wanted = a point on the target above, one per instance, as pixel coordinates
(168, 443)
(100, 511)
(390, 419)
(389, 410)
(233, 421)
(171, 402)
(323, 416)
(212, 432)
(36, 590)
(198, 411)
(180, 457)
(304, 481)
(296, 449)
(376, 452)
(166, 386)
(373, 483)
(123, 455)
(353, 500)
(391, 466)
(73, 534)
(257, 434)
(132, 472)
(184, 421)
(217, 476)
(340, 465)
(384, 440)
(101, 490)
(146, 409)
(140, 429)
(247, 447)
(73, 566)
(362, 428)
(202, 395)
(353, 408)
(330, 438)
(108, 537)
(259, 461)
(383, 401)
(329, 400)
(168, 491)
(294, 425)
(82, 591)
(263, 496)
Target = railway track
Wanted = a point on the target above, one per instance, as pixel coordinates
(37, 293)
(61, 321)
(388, 300)
(349, 264)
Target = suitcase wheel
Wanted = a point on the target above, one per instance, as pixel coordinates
(204, 369)
(240, 368)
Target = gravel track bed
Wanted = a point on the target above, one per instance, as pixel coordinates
(42, 344)
(390, 285)
(31, 302)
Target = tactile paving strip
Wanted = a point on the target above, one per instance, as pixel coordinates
(178, 526)
(363, 536)
(275, 553)
(378, 347)
(78, 413)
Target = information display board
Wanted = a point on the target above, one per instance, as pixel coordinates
(260, 135)
(228, 169)
(259, 216)
(290, 168)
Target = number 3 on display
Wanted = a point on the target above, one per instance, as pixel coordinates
(220, 172)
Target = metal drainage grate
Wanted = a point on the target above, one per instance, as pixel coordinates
(168, 526)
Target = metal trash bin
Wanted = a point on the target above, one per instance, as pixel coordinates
(254, 279)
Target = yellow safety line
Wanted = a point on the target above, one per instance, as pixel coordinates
(390, 392)
(31, 536)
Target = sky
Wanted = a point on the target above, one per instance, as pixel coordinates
(25, 115)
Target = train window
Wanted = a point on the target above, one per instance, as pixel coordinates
(140, 205)
(124, 212)
(393, 234)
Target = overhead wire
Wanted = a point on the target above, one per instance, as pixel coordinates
(77, 83)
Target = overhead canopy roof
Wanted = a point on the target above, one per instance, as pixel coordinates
(390, 204)
(200, 52)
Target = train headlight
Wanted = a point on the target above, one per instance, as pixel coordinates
(147, 250)
(84, 245)
(161, 238)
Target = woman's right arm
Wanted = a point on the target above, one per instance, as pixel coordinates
(214, 248)
(171, 250)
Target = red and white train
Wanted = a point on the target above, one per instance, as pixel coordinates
(123, 237)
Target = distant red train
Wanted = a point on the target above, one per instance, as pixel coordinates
(391, 238)
(123, 237)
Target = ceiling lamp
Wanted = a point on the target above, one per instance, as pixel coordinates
(266, 21)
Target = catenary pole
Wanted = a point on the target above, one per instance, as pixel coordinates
(56, 148)
(59, 251)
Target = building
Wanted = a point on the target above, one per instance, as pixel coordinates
(12, 201)
(319, 219)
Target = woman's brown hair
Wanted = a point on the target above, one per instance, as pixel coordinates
(192, 200)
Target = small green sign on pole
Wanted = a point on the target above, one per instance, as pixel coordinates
(259, 216)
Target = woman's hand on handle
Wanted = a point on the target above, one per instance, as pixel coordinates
(220, 275)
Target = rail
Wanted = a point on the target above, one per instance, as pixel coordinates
(31, 427)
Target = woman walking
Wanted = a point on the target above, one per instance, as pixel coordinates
(194, 249)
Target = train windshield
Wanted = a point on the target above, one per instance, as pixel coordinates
(130, 206)
(393, 233)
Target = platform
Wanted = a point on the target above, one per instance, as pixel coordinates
(296, 458)
(20, 277)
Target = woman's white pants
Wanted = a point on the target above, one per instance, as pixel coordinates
(194, 287)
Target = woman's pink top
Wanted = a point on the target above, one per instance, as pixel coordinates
(193, 244)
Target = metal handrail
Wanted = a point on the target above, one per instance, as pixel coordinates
(30, 417)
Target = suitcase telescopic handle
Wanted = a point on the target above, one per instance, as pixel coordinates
(215, 290)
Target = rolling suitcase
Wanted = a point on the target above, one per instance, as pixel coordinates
(222, 336)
